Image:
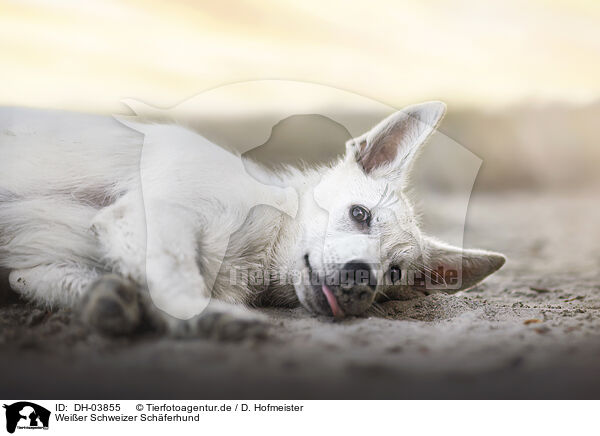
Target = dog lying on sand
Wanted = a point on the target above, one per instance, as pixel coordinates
(76, 231)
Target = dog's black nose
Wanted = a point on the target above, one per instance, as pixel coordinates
(356, 290)
(358, 273)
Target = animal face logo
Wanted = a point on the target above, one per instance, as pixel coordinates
(26, 415)
(354, 222)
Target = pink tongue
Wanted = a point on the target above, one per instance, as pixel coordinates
(335, 308)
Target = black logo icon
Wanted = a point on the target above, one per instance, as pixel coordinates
(26, 415)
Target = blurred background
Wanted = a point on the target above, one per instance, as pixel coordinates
(521, 79)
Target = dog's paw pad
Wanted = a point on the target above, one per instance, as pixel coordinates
(228, 327)
(111, 306)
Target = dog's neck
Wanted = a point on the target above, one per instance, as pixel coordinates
(282, 230)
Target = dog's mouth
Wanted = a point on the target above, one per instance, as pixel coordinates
(324, 296)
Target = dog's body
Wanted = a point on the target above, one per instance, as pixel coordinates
(82, 196)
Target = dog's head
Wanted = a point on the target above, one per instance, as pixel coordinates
(360, 236)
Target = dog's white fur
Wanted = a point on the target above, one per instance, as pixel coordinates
(80, 196)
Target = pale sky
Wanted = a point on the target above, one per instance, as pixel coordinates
(88, 55)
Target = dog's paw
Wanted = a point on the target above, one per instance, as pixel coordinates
(111, 306)
(225, 326)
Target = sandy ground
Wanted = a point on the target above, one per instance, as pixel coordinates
(530, 331)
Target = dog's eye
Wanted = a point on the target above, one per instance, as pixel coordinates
(360, 214)
(395, 274)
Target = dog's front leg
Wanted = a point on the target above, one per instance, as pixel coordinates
(174, 252)
(184, 257)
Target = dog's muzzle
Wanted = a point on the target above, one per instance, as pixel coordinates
(350, 290)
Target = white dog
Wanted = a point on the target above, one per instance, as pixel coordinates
(92, 214)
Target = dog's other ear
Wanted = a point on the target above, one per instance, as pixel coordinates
(389, 148)
(452, 269)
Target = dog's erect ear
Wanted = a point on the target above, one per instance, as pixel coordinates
(389, 148)
(452, 269)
